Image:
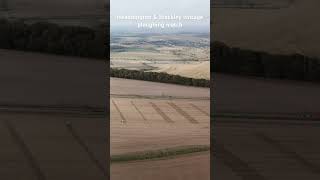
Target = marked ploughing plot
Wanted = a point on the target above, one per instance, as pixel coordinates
(152, 124)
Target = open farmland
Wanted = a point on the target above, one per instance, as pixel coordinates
(148, 116)
(185, 54)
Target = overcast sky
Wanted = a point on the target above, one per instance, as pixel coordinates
(163, 7)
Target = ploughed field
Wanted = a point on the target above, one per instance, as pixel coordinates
(148, 116)
(145, 124)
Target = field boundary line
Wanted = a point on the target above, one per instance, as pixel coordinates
(17, 138)
(183, 113)
(90, 154)
(199, 109)
(161, 113)
(138, 110)
(236, 164)
(79, 111)
(123, 119)
(288, 152)
(157, 97)
(160, 153)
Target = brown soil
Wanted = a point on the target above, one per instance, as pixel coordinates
(181, 168)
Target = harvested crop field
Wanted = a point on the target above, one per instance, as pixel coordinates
(136, 88)
(148, 116)
(145, 124)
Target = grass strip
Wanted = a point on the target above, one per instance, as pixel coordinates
(159, 154)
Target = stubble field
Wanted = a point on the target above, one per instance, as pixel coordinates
(169, 117)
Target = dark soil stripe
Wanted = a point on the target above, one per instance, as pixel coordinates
(159, 154)
(25, 150)
(123, 119)
(274, 122)
(138, 110)
(91, 112)
(292, 154)
(199, 109)
(238, 166)
(90, 154)
(267, 116)
(183, 113)
(161, 113)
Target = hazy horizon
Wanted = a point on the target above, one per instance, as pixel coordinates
(155, 7)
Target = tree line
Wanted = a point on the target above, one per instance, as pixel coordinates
(158, 77)
(253, 63)
(52, 38)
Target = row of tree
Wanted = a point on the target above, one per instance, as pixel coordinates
(158, 77)
(246, 62)
(52, 38)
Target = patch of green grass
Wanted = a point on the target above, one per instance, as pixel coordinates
(159, 154)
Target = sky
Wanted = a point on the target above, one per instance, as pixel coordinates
(160, 7)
